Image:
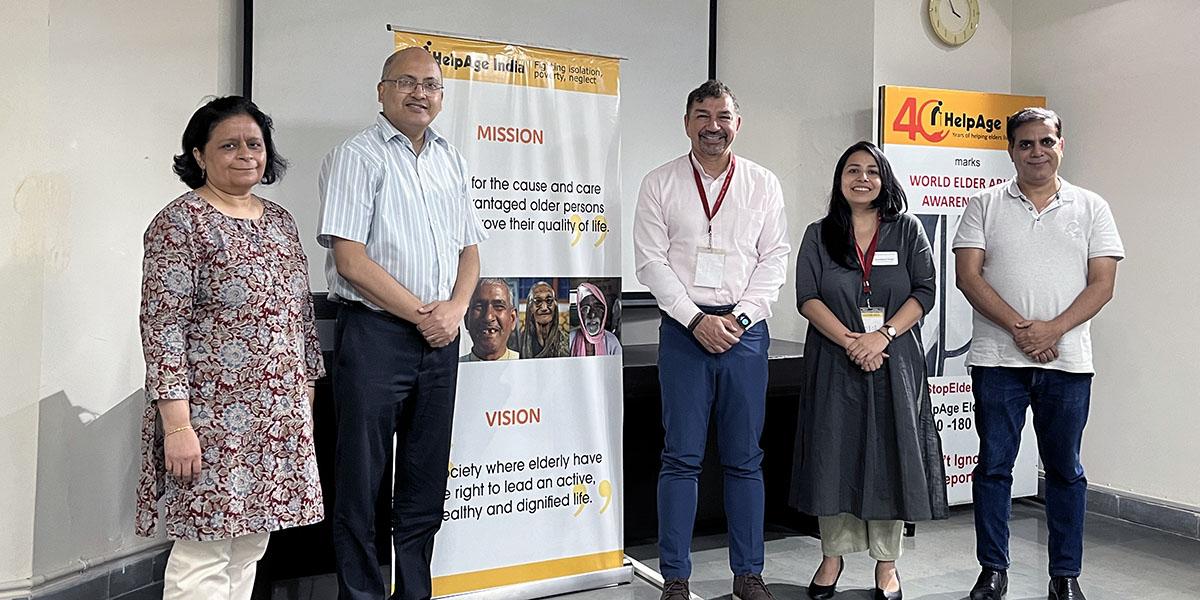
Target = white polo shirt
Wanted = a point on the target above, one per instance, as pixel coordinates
(1037, 262)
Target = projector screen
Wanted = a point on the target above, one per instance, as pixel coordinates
(315, 66)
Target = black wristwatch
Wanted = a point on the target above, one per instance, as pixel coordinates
(744, 321)
(888, 332)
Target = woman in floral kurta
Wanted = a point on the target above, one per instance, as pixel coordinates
(227, 325)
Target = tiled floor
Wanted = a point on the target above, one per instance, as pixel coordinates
(1121, 562)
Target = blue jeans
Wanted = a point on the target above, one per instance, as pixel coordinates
(732, 386)
(1060, 408)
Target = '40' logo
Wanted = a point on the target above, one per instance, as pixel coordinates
(911, 120)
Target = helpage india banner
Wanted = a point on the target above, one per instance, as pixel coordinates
(534, 495)
(945, 146)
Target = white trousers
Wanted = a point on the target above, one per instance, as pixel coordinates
(216, 570)
(847, 534)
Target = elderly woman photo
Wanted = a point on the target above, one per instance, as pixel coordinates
(231, 356)
(542, 334)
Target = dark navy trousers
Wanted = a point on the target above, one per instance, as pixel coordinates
(388, 381)
(732, 387)
(1060, 403)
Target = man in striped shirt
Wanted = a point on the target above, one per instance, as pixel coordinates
(402, 232)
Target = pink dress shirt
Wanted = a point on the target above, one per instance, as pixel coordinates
(670, 228)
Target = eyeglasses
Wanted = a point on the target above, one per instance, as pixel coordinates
(408, 86)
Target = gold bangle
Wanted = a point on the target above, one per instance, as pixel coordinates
(177, 430)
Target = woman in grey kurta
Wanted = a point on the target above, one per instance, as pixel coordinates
(868, 456)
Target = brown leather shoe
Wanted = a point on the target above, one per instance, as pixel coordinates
(751, 587)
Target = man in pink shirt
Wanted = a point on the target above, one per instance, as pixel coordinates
(709, 241)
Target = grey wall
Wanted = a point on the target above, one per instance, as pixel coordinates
(807, 75)
(1125, 77)
(94, 101)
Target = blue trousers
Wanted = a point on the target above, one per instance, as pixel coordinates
(389, 382)
(732, 386)
(1060, 403)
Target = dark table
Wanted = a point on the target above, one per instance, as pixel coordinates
(643, 443)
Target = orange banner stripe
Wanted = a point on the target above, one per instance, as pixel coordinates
(547, 569)
(493, 62)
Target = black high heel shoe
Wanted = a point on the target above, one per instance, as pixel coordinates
(896, 595)
(825, 592)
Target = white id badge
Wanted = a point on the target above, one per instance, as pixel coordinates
(872, 318)
(710, 268)
(885, 259)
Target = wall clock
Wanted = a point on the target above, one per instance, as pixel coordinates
(954, 21)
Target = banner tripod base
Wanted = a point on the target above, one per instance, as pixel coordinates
(650, 575)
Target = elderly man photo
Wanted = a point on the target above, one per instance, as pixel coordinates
(592, 337)
(491, 320)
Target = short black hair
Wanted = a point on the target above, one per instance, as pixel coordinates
(1029, 115)
(199, 130)
(711, 89)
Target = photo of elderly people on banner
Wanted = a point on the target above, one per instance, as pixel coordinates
(491, 321)
(595, 318)
(558, 317)
(545, 319)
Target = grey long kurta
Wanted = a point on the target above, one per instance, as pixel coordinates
(866, 442)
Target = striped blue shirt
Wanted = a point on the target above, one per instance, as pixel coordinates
(413, 212)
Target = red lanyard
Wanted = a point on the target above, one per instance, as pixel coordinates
(711, 213)
(866, 260)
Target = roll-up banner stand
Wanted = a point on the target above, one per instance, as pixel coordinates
(945, 146)
(533, 505)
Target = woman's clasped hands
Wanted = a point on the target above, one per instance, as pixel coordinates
(866, 349)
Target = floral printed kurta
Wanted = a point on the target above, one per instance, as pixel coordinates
(227, 324)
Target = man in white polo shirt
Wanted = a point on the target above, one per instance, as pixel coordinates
(1037, 259)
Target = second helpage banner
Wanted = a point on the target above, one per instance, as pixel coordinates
(945, 146)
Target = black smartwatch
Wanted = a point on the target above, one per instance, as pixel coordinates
(744, 321)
